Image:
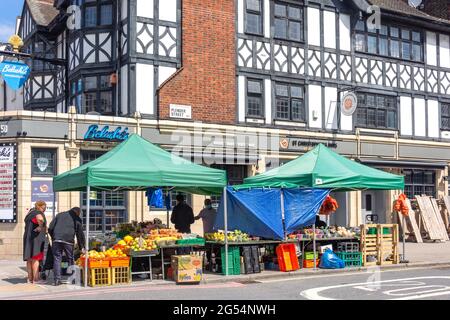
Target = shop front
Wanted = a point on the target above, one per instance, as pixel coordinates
(47, 144)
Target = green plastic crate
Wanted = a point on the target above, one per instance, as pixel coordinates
(351, 259)
(373, 231)
(310, 256)
(191, 242)
(234, 260)
(234, 264)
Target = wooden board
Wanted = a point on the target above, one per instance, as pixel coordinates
(429, 218)
(446, 200)
(441, 224)
(411, 222)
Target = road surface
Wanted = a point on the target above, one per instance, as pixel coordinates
(403, 284)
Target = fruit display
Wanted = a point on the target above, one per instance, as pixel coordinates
(326, 233)
(139, 228)
(137, 244)
(233, 236)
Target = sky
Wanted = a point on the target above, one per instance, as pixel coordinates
(9, 10)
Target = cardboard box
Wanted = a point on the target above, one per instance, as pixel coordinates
(187, 268)
(188, 276)
(324, 248)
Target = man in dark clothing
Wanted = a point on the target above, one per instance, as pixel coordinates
(63, 230)
(319, 223)
(182, 216)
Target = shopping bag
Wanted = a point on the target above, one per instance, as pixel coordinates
(330, 260)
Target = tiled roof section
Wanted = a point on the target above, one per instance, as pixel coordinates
(43, 11)
(403, 8)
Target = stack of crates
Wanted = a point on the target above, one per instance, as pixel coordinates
(251, 259)
(350, 254)
(99, 272)
(308, 260)
(120, 271)
(234, 260)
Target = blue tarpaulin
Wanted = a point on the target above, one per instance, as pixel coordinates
(258, 211)
(154, 198)
(255, 211)
(301, 207)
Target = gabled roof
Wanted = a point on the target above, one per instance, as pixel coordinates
(42, 11)
(399, 6)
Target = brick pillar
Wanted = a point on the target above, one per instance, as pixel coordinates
(207, 80)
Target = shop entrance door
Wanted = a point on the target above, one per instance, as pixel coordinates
(368, 208)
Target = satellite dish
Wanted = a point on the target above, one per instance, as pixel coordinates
(414, 3)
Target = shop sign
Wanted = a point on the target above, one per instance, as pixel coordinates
(94, 133)
(302, 145)
(42, 190)
(180, 111)
(8, 187)
(3, 129)
(42, 164)
(349, 104)
(14, 73)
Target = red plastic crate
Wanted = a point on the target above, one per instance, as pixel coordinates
(310, 263)
(287, 257)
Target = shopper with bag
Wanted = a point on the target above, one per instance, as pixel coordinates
(63, 230)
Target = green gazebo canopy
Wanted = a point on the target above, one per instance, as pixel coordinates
(325, 169)
(137, 164)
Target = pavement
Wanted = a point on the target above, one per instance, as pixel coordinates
(422, 258)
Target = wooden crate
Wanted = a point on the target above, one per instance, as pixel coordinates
(382, 246)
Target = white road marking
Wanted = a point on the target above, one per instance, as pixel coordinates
(404, 291)
(315, 293)
(422, 296)
(343, 274)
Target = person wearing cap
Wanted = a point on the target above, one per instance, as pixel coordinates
(63, 230)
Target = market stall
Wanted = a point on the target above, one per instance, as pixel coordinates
(137, 164)
(319, 169)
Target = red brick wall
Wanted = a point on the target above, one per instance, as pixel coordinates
(437, 8)
(207, 81)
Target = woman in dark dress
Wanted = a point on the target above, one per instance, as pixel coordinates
(34, 240)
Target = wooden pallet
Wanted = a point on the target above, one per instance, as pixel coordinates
(382, 246)
(430, 222)
(411, 228)
(446, 213)
(442, 225)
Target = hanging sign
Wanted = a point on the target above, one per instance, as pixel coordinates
(42, 164)
(14, 73)
(94, 133)
(349, 104)
(8, 186)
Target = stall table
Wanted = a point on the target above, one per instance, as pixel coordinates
(143, 254)
(301, 242)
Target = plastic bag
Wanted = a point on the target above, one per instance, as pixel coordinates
(330, 260)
